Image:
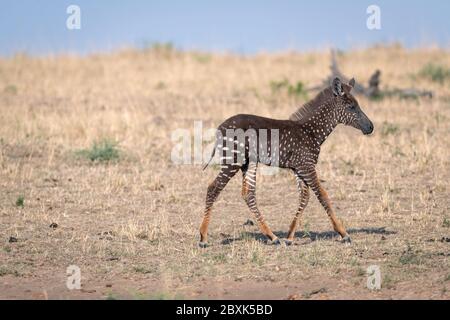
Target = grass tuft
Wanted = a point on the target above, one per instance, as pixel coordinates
(103, 151)
(297, 90)
(20, 202)
(435, 73)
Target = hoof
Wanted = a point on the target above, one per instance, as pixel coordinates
(288, 242)
(346, 240)
(202, 245)
(276, 242)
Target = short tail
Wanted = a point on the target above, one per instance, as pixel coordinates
(212, 155)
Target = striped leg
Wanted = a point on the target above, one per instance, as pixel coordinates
(304, 198)
(249, 195)
(311, 179)
(244, 183)
(227, 172)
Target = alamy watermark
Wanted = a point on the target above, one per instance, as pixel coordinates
(73, 281)
(374, 277)
(73, 21)
(374, 20)
(231, 147)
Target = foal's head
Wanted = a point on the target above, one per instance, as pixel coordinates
(348, 110)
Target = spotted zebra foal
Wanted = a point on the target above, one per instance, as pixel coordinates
(246, 140)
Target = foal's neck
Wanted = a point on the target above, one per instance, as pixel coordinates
(322, 123)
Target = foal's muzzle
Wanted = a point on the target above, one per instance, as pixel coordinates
(367, 128)
(365, 124)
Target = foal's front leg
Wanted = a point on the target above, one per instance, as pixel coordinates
(304, 198)
(309, 175)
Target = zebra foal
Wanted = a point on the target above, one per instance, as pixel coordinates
(246, 140)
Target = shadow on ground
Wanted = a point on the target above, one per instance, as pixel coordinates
(313, 236)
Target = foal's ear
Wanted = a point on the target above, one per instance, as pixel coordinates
(352, 82)
(336, 86)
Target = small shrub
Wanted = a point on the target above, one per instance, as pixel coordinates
(102, 151)
(298, 90)
(435, 73)
(20, 202)
(295, 90)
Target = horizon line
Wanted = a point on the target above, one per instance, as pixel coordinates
(170, 46)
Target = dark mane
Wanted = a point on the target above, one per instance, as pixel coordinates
(310, 108)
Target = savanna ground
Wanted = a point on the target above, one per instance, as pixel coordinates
(131, 223)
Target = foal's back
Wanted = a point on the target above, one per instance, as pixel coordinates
(248, 121)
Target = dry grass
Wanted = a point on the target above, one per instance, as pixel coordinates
(132, 223)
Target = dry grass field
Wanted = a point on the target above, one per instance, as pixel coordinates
(131, 224)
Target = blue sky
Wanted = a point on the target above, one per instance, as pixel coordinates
(39, 27)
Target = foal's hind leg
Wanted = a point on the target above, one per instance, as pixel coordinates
(249, 195)
(244, 170)
(214, 189)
